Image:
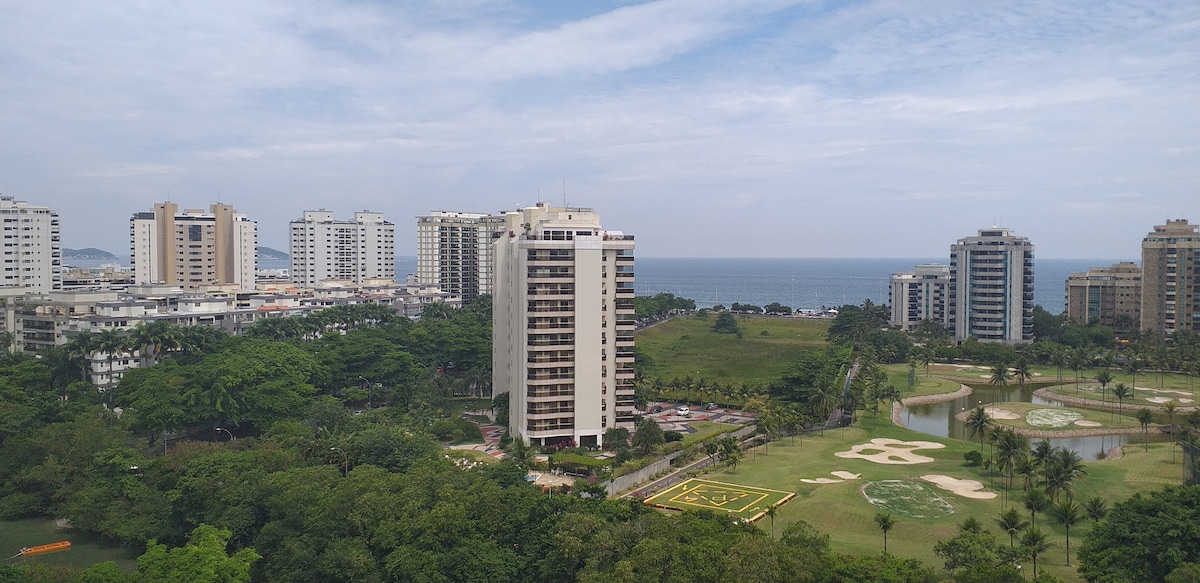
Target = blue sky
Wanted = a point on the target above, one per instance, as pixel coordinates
(707, 128)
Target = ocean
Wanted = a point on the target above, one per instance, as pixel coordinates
(801, 283)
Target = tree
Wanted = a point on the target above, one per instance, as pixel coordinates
(111, 343)
(616, 437)
(1000, 374)
(1036, 501)
(202, 560)
(1145, 417)
(647, 434)
(725, 324)
(1120, 393)
(1068, 514)
(886, 523)
(1012, 524)
(978, 422)
(1104, 377)
(1022, 371)
(1145, 537)
(1095, 508)
(1034, 542)
(1170, 408)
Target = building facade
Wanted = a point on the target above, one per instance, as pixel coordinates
(324, 248)
(920, 295)
(562, 326)
(1110, 296)
(455, 251)
(991, 292)
(32, 248)
(1171, 279)
(193, 249)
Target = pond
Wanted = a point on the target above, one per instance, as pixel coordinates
(938, 419)
(86, 549)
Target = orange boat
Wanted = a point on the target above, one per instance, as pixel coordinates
(44, 549)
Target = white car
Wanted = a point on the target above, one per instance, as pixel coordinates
(684, 412)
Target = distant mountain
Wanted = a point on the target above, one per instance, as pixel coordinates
(88, 253)
(269, 253)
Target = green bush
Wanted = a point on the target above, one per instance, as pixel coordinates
(973, 458)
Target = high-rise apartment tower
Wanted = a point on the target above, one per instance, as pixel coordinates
(1171, 279)
(991, 293)
(455, 251)
(920, 295)
(323, 247)
(1110, 296)
(193, 248)
(32, 250)
(562, 325)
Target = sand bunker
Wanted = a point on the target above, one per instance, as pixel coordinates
(1165, 391)
(891, 451)
(1085, 423)
(965, 488)
(841, 474)
(1164, 400)
(998, 413)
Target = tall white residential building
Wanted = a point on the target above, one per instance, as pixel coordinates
(32, 248)
(920, 295)
(991, 295)
(1171, 279)
(193, 249)
(455, 251)
(562, 325)
(324, 248)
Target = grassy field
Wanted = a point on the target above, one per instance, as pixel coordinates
(687, 346)
(841, 509)
(706, 429)
(926, 385)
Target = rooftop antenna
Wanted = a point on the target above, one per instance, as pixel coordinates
(564, 193)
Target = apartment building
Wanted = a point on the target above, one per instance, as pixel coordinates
(991, 292)
(32, 250)
(325, 248)
(193, 249)
(455, 251)
(1171, 279)
(563, 325)
(920, 295)
(1110, 296)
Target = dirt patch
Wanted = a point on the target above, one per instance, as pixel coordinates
(1086, 423)
(1052, 417)
(965, 488)
(891, 451)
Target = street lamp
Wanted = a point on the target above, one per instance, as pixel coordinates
(345, 459)
(231, 437)
(368, 383)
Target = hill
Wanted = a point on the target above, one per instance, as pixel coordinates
(87, 253)
(269, 253)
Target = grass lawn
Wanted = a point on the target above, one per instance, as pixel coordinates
(705, 429)
(1142, 396)
(1048, 418)
(744, 502)
(687, 346)
(841, 510)
(926, 385)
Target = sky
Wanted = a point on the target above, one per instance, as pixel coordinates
(707, 128)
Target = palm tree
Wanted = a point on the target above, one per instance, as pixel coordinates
(1034, 542)
(1068, 514)
(1060, 471)
(111, 343)
(1028, 468)
(1010, 521)
(1000, 374)
(1035, 501)
(1133, 366)
(80, 348)
(771, 512)
(1022, 372)
(1010, 448)
(1145, 417)
(978, 422)
(1041, 452)
(886, 523)
(1095, 508)
(822, 399)
(1104, 377)
(1121, 392)
(1170, 408)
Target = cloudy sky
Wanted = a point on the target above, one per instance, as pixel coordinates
(870, 128)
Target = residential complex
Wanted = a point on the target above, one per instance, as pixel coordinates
(357, 250)
(32, 249)
(455, 251)
(193, 249)
(1171, 279)
(1110, 296)
(563, 325)
(991, 291)
(920, 295)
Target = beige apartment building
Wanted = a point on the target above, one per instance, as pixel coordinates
(1110, 296)
(456, 251)
(563, 325)
(920, 295)
(193, 249)
(31, 247)
(1171, 279)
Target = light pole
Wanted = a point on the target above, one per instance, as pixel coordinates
(345, 459)
(231, 437)
(368, 383)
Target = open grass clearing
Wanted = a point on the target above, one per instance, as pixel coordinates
(924, 385)
(706, 429)
(686, 346)
(840, 509)
(1143, 396)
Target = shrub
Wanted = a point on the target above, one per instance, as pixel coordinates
(973, 458)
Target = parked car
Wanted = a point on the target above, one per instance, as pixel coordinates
(684, 412)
